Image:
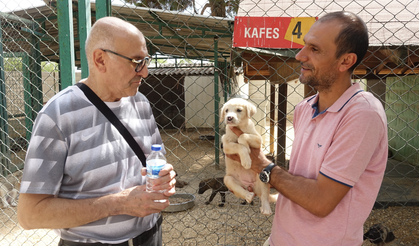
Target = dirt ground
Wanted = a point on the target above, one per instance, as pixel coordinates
(234, 224)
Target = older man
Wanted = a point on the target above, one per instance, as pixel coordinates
(81, 177)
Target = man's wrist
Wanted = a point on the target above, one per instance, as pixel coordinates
(265, 174)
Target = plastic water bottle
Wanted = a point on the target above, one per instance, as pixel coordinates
(155, 162)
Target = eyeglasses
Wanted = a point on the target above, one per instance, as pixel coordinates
(140, 63)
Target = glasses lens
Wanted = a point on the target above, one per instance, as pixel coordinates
(145, 62)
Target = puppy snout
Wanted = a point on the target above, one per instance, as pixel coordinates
(229, 118)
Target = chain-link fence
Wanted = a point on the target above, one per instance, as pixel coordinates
(194, 71)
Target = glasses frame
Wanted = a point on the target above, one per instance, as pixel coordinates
(140, 63)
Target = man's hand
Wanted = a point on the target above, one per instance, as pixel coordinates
(42, 210)
(259, 160)
(166, 181)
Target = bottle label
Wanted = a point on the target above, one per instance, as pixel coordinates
(154, 167)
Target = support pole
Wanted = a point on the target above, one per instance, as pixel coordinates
(4, 127)
(216, 105)
(282, 124)
(85, 24)
(103, 8)
(278, 74)
(66, 39)
(35, 71)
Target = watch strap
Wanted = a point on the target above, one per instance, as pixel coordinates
(269, 167)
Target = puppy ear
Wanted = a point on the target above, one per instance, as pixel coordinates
(390, 237)
(251, 109)
(222, 113)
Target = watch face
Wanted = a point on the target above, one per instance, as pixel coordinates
(264, 177)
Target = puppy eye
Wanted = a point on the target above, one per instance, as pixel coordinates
(226, 110)
(239, 110)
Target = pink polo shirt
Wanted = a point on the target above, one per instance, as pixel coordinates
(347, 143)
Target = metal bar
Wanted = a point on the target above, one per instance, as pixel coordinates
(157, 17)
(27, 95)
(4, 127)
(36, 75)
(66, 45)
(282, 124)
(85, 24)
(34, 32)
(189, 37)
(216, 105)
(272, 119)
(16, 18)
(103, 8)
(161, 24)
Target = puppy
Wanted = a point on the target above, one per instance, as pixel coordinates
(379, 234)
(238, 113)
(217, 186)
(9, 187)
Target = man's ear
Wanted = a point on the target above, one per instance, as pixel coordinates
(347, 61)
(99, 60)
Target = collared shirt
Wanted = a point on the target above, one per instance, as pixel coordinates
(347, 143)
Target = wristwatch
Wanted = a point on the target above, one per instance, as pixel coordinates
(265, 175)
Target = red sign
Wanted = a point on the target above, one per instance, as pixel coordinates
(271, 32)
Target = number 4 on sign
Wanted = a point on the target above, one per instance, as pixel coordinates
(298, 28)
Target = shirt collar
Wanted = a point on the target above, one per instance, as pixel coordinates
(341, 102)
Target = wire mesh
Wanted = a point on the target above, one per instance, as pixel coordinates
(194, 71)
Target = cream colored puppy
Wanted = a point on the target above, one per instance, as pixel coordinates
(238, 113)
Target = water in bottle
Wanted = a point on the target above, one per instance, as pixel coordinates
(155, 162)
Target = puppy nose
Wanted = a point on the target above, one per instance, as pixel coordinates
(229, 118)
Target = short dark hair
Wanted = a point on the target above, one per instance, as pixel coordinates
(352, 38)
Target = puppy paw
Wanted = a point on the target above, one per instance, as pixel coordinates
(266, 210)
(246, 162)
(244, 143)
(249, 197)
(221, 205)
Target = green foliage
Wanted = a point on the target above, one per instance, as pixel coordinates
(49, 67)
(13, 64)
(16, 64)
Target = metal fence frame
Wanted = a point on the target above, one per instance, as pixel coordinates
(266, 77)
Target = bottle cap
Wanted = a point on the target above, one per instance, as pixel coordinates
(155, 147)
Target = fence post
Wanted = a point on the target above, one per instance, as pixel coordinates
(216, 103)
(103, 8)
(66, 46)
(4, 127)
(35, 74)
(27, 95)
(85, 23)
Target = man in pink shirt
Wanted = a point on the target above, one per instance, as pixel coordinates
(339, 153)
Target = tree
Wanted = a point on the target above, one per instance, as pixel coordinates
(222, 8)
(219, 8)
(178, 5)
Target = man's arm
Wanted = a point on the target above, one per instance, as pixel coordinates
(318, 196)
(46, 211)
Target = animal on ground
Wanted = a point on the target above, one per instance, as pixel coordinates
(180, 183)
(9, 189)
(379, 234)
(217, 186)
(238, 112)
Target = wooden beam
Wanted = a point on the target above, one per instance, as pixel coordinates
(281, 73)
